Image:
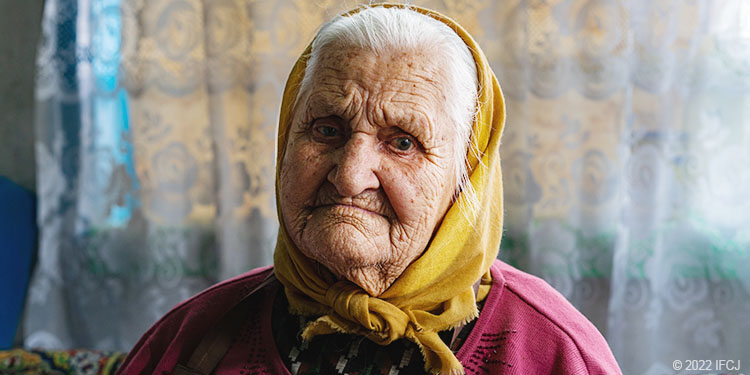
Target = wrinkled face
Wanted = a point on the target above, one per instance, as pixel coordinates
(368, 170)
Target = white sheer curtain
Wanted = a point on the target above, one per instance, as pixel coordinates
(156, 129)
(626, 160)
(627, 167)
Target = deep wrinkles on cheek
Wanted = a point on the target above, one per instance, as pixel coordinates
(410, 171)
(403, 236)
(297, 221)
(297, 154)
(407, 235)
(407, 232)
(330, 232)
(436, 185)
(438, 155)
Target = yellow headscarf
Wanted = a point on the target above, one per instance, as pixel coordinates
(435, 293)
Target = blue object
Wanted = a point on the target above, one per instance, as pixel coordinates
(17, 248)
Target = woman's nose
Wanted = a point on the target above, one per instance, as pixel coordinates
(355, 168)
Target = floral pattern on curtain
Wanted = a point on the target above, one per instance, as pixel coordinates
(626, 160)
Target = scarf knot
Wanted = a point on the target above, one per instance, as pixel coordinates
(355, 311)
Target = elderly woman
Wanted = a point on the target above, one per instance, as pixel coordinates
(390, 203)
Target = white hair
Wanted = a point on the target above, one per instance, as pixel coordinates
(383, 30)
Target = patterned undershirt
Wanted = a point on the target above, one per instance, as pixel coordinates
(346, 354)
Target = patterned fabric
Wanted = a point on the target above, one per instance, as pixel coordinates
(346, 354)
(72, 362)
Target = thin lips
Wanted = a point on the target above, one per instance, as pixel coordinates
(373, 202)
(368, 209)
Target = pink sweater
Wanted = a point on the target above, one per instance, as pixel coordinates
(525, 327)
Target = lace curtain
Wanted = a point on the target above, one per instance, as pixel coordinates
(627, 166)
(626, 160)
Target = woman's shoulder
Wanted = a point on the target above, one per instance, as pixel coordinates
(177, 333)
(229, 291)
(529, 291)
(537, 320)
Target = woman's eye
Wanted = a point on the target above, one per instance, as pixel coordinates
(327, 131)
(402, 143)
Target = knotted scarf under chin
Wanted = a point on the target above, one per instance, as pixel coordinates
(356, 312)
(435, 293)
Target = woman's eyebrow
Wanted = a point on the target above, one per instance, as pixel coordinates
(326, 103)
(415, 123)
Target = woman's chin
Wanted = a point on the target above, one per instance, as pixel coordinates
(370, 279)
(351, 254)
(338, 249)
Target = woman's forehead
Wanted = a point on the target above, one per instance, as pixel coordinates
(402, 85)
